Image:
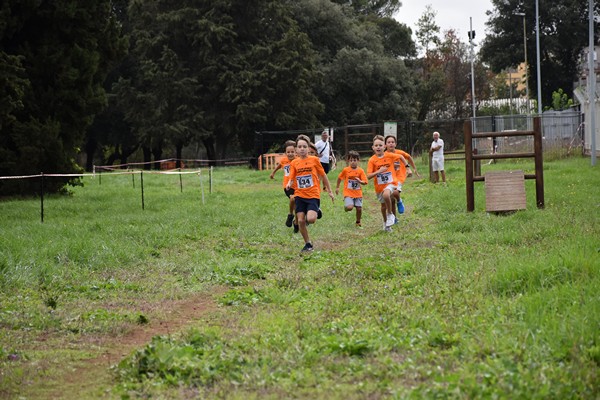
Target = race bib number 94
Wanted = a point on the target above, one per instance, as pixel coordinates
(305, 181)
(384, 178)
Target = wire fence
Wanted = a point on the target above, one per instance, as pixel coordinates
(111, 172)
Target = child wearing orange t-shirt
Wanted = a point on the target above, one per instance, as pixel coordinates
(305, 172)
(390, 145)
(381, 167)
(284, 163)
(402, 169)
(354, 176)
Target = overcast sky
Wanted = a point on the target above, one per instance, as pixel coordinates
(451, 14)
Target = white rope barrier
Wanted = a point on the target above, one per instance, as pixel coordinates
(171, 172)
(129, 172)
(21, 177)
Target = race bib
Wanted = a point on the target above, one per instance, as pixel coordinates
(384, 178)
(353, 184)
(286, 170)
(305, 181)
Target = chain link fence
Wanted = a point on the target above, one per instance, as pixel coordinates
(562, 133)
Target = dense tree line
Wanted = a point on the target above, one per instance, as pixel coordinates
(54, 58)
(116, 78)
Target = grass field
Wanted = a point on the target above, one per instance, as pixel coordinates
(449, 305)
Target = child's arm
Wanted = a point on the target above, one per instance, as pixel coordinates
(414, 167)
(292, 177)
(337, 187)
(327, 186)
(366, 181)
(277, 168)
(381, 169)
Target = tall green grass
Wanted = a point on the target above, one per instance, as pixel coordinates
(449, 305)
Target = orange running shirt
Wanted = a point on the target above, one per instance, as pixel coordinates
(386, 178)
(285, 166)
(351, 177)
(305, 173)
(399, 166)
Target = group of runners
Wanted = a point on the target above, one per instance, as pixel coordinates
(304, 174)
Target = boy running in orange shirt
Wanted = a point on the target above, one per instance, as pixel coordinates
(381, 167)
(284, 163)
(305, 172)
(354, 176)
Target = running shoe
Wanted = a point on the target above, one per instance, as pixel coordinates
(400, 207)
(289, 220)
(358, 225)
(390, 220)
(319, 214)
(387, 229)
(308, 247)
(296, 228)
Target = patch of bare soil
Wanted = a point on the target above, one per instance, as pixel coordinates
(89, 379)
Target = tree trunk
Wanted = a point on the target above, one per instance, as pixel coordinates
(222, 141)
(125, 153)
(178, 151)
(209, 145)
(112, 157)
(90, 149)
(157, 153)
(147, 157)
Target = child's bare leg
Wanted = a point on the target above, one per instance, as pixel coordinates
(358, 213)
(302, 225)
(348, 208)
(311, 216)
(292, 205)
(387, 197)
(384, 212)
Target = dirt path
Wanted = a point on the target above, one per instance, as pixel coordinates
(89, 378)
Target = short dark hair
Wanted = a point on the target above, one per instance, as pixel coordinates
(391, 136)
(353, 154)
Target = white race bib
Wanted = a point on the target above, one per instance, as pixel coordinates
(305, 181)
(353, 184)
(384, 178)
(286, 170)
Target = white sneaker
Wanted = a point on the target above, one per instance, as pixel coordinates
(390, 220)
(387, 229)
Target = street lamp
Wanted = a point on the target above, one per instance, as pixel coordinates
(537, 53)
(471, 37)
(522, 14)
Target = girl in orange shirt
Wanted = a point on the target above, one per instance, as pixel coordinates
(402, 169)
